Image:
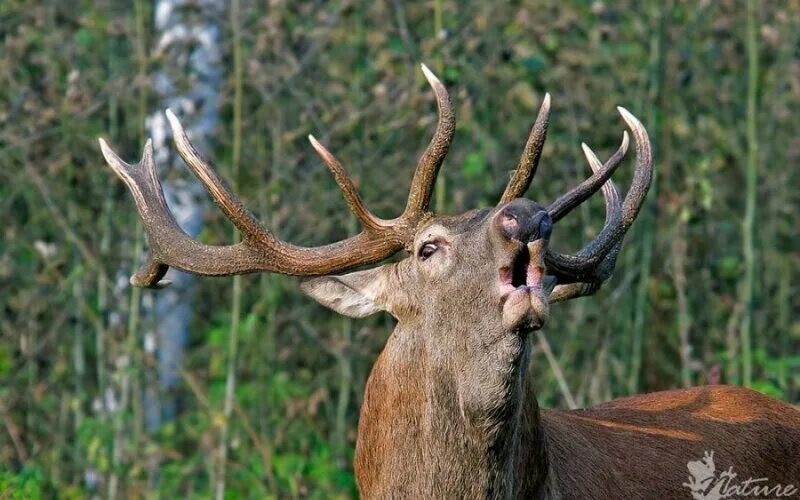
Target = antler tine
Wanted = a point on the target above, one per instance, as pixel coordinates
(566, 202)
(349, 191)
(613, 203)
(143, 184)
(239, 215)
(562, 293)
(529, 161)
(611, 196)
(422, 184)
(583, 266)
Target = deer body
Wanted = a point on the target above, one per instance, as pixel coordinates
(449, 411)
(632, 448)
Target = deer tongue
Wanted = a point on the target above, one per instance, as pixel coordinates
(534, 277)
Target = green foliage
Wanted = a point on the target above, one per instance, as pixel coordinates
(73, 377)
(475, 166)
(26, 484)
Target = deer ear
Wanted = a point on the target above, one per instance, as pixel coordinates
(355, 294)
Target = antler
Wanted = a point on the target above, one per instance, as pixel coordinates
(583, 273)
(259, 249)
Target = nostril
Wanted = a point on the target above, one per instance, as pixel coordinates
(509, 222)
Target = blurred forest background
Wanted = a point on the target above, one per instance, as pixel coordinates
(260, 397)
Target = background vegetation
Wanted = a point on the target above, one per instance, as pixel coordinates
(706, 289)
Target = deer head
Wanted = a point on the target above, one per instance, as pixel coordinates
(469, 291)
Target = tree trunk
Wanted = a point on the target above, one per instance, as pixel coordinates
(188, 52)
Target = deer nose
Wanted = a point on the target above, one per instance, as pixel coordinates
(525, 221)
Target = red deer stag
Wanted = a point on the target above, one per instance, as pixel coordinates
(449, 411)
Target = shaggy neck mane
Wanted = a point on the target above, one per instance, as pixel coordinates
(422, 435)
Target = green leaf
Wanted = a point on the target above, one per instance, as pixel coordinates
(474, 166)
(767, 388)
(85, 38)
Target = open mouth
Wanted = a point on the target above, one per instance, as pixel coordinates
(525, 271)
(519, 268)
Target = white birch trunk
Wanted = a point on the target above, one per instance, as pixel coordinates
(188, 50)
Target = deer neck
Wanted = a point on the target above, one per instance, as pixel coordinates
(432, 427)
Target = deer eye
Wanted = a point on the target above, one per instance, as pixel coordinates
(427, 250)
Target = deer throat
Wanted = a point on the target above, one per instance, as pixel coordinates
(505, 427)
(426, 437)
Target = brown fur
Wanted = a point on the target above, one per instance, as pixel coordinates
(639, 447)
